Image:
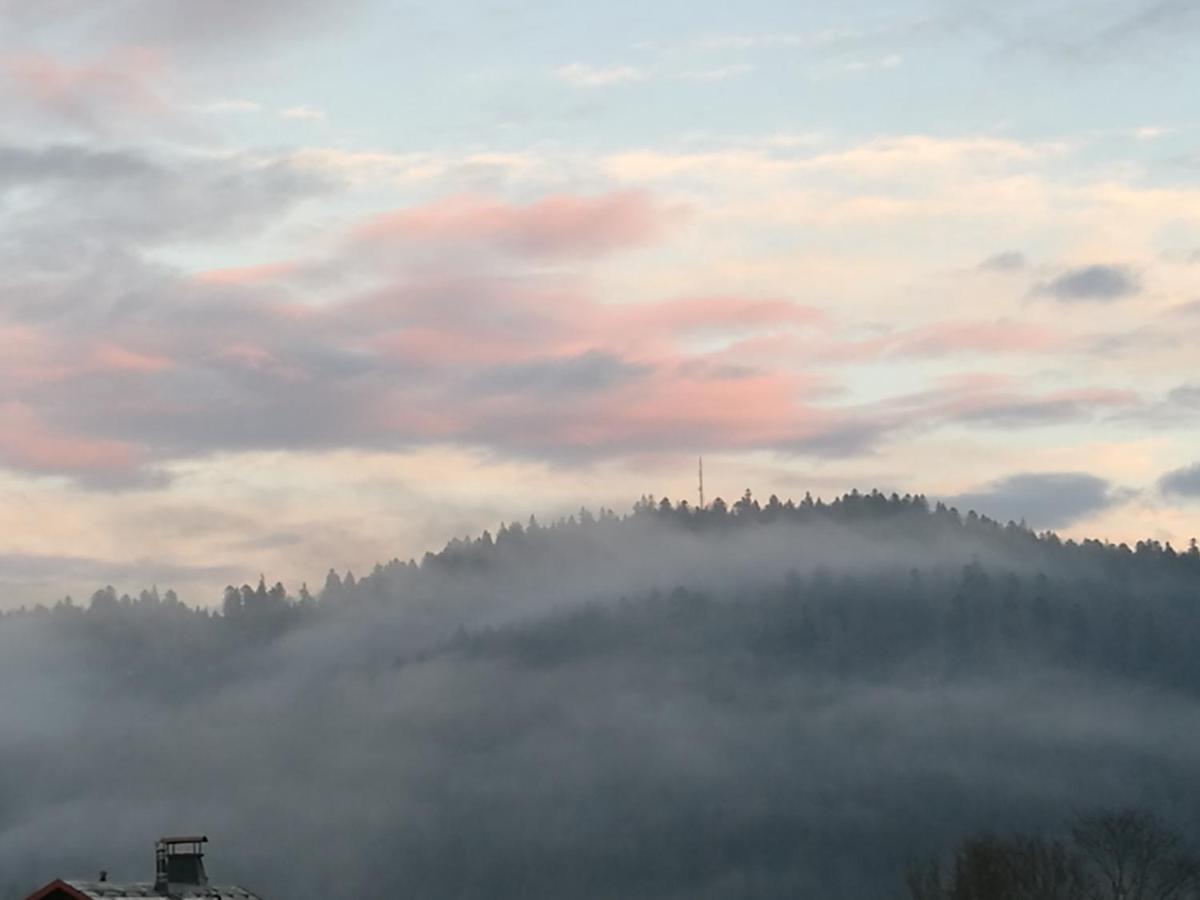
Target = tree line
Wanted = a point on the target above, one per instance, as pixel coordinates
(1113, 855)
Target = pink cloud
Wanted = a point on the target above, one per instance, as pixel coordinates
(996, 399)
(936, 340)
(755, 410)
(32, 357)
(464, 322)
(666, 408)
(255, 357)
(114, 358)
(28, 443)
(88, 94)
(1015, 406)
(248, 275)
(978, 337)
(947, 338)
(558, 226)
(721, 314)
(29, 357)
(437, 347)
(477, 349)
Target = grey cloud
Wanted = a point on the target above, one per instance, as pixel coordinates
(76, 193)
(1025, 411)
(1010, 261)
(80, 283)
(1179, 408)
(74, 249)
(216, 24)
(1183, 482)
(1085, 33)
(270, 541)
(31, 567)
(299, 383)
(839, 441)
(242, 376)
(1187, 395)
(859, 429)
(76, 264)
(302, 392)
(142, 478)
(100, 105)
(723, 371)
(1150, 20)
(215, 410)
(1044, 500)
(1138, 340)
(1100, 283)
(223, 196)
(24, 166)
(22, 15)
(585, 372)
(208, 28)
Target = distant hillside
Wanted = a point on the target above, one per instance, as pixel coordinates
(766, 699)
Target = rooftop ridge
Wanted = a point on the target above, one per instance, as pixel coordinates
(115, 890)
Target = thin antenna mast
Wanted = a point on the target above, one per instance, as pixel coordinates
(702, 482)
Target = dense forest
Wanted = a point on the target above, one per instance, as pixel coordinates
(760, 699)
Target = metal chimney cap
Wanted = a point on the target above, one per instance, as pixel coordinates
(186, 839)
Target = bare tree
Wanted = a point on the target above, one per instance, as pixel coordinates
(1131, 855)
(924, 881)
(1046, 870)
(991, 868)
(1121, 855)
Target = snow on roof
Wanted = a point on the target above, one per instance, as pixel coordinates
(109, 890)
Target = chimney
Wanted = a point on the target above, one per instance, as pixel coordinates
(179, 861)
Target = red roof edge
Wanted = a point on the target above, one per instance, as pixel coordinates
(57, 885)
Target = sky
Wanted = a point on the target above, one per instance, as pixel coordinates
(292, 284)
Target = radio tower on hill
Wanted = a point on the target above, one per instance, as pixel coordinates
(702, 482)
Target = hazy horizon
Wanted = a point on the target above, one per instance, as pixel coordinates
(135, 578)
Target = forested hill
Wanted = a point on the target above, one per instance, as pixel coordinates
(754, 700)
(879, 577)
(888, 531)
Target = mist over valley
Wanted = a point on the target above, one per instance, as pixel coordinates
(760, 700)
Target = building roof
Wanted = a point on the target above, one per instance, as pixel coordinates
(111, 890)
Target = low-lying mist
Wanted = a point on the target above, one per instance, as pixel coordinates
(770, 700)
